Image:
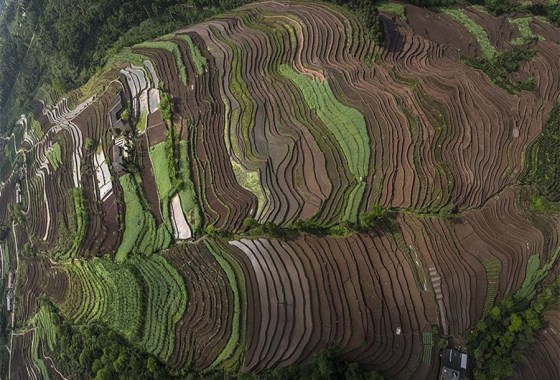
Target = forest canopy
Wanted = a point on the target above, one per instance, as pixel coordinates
(60, 44)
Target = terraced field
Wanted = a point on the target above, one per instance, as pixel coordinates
(152, 197)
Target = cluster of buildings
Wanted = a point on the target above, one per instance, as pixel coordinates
(10, 296)
(122, 129)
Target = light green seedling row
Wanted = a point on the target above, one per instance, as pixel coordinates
(347, 124)
(488, 50)
(526, 35)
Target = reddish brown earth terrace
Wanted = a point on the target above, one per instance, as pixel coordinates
(134, 205)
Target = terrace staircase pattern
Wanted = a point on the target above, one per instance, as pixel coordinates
(284, 112)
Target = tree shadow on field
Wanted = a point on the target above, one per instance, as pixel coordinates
(394, 41)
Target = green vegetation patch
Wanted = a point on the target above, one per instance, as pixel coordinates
(354, 201)
(347, 124)
(488, 50)
(140, 234)
(543, 162)
(526, 35)
(54, 155)
(36, 129)
(126, 55)
(174, 49)
(38, 362)
(198, 59)
(545, 206)
(500, 68)
(142, 299)
(396, 8)
(493, 268)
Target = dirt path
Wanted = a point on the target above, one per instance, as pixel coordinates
(14, 306)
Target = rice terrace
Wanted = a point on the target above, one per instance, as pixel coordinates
(349, 189)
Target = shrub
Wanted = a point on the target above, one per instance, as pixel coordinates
(4, 232)
(165, 105)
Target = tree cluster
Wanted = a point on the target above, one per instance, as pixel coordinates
(500, 68)
(327, 365)
(97, 352)
(377, 217)
(497, 341)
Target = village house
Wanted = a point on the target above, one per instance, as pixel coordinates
(11, 278)
(453, 365)
(10, 300)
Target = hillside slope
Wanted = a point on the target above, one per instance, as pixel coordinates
(156, 199)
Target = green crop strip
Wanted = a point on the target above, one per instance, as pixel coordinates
(45, 327)
(36, 129)
(235, 323)
(172, 48)
(354, 201)
(160, 167)
(396, 8)
(142, 299)
(54, 155)
(140, 233)
(493, 268)
(488, 50)
(198, 59)
(347, 125)
(187, 194)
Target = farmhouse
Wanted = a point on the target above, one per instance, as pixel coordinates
(453, 365)
(19, 198)
(11, 278)
(10, 300)
(115, 115)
